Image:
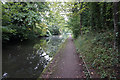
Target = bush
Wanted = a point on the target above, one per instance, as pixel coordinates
(98, 52)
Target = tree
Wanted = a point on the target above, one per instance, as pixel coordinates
(116, 28)
(19, 19)
(81, 19)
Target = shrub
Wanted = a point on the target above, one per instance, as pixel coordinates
(98, 52)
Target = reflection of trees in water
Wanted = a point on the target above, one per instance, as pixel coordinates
(48, 45)
(29, 59)
(52, 45)
(21, 61)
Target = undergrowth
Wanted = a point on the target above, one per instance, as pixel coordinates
(98, 52)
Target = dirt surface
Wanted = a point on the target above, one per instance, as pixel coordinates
(66, 64)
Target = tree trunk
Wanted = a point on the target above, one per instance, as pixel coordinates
(81, 24)
(116, 34)
(81, 19)
(104, 15)
(116, 28)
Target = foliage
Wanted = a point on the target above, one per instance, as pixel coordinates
(21, 17)
(7, 32)
(99, 53)
(41, 29)
(54, 30)
(31, 19)
(56, 20)
(92, 25)
(73, 24)
(87, 17)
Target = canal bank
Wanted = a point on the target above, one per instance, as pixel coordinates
(51, 66)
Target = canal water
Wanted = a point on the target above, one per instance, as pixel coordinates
(27, 59)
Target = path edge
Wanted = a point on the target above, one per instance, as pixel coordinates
(89, 70)
(49, 64)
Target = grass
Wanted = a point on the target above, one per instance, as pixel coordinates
(98, 52)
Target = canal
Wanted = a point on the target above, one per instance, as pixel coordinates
(27, 59)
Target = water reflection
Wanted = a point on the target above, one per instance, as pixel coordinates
(28, 59)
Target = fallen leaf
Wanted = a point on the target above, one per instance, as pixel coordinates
(91, 72)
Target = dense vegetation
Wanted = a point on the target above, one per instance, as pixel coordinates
(27, 20)
(96, 31)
